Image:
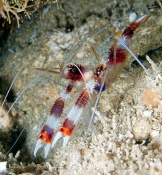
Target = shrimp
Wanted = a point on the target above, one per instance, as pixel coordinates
(98, 80)
(90, 81)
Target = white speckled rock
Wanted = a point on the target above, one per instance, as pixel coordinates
(157, 143)
(6, 121)
(141, 130)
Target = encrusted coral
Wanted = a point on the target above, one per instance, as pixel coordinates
(20, 9)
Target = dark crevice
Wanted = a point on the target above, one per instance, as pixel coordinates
(4, 86)
(69, 28)
(83, 21)
(7, 139)
(154, 54)
(4, 32)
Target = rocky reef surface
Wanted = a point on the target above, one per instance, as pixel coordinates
(127, 135)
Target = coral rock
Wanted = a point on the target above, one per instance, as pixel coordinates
(141, 130)
(5, 120)
(150, 97)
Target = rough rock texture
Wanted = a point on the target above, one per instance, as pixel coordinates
(120, 145)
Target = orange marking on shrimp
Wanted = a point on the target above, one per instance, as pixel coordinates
(67, 127)
(46, 134)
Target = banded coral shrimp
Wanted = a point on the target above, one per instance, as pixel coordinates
(39, 88)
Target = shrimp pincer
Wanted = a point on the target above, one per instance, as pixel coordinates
(118, 53)
(50, 126)
(90, 81)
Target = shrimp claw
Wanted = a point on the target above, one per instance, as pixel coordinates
(48, 131)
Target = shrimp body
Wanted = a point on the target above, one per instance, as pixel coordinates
(89, 80)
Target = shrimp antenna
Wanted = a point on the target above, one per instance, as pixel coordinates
(61, 65)
(16, 140)
(136, 58)
(92, 127)
(93, 37)
(24, 91)
(97, 100)
(95, 53)
(11, 85)
(40, 74)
